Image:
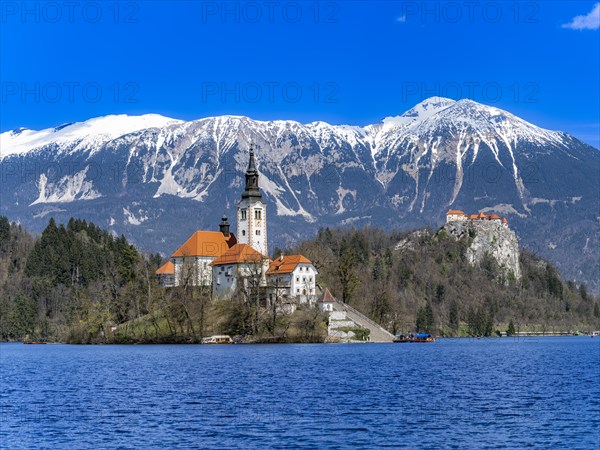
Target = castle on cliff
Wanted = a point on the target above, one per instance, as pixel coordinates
(456, 215)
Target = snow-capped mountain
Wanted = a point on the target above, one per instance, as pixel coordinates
(156, 179)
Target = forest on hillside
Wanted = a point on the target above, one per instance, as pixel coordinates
(421, 280)
(79, 283)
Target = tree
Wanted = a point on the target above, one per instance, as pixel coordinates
(510, 331)
(453, 318)
(347, 270)
(23, 317)
(440, 292)
(583, 291)
(4, 231)
(425, 322)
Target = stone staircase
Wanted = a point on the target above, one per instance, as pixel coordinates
(378, 333)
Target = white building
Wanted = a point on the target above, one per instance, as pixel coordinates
(192, 260)
(252, 212)
(455, 215)
(292, 276)
(327, 301)
(240, 269)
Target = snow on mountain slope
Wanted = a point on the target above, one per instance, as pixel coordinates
(424, 120)
(89, 135)
(186, 159)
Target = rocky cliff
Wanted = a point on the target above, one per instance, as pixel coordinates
(489, 239)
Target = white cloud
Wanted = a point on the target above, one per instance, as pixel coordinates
(590, 21)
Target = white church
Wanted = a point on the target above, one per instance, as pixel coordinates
(236, 265)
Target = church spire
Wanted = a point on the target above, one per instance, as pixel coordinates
(251, 162)
(252, 190)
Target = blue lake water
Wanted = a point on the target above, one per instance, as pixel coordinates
(488, 393)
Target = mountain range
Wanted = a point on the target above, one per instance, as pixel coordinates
(157, 179)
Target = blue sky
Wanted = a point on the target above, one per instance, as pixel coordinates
(341, 62)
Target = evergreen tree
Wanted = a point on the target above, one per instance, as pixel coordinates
(440, 292)
(453, 318)
(347, 270)
(425, 322)
(510, 331)
(583, 291)
(4, 231)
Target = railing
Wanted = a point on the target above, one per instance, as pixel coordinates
(363, 317)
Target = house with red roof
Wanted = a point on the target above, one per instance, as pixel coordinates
(292, 276)
(239, 269)
(165, 274)
(191, 261)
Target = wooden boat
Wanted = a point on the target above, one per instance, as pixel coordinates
(34, 342)
(418, 337)
(218, 339)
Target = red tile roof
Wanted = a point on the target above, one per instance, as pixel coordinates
(455, 212)
(239, 253)
(287, 265)
(205, 243)
(166, 269)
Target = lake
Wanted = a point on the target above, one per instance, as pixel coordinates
(455, 393)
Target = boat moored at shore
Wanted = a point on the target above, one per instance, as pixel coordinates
(418, 337)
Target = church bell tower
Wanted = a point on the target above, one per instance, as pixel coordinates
(252, 212)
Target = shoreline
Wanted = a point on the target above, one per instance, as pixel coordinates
(514, 337)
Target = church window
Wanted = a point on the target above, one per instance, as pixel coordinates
(243, 213)
(297, 279)
(258, 214)
(243, 232)
(258, 232)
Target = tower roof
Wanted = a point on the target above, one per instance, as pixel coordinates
(224, 219)
(252, 190)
